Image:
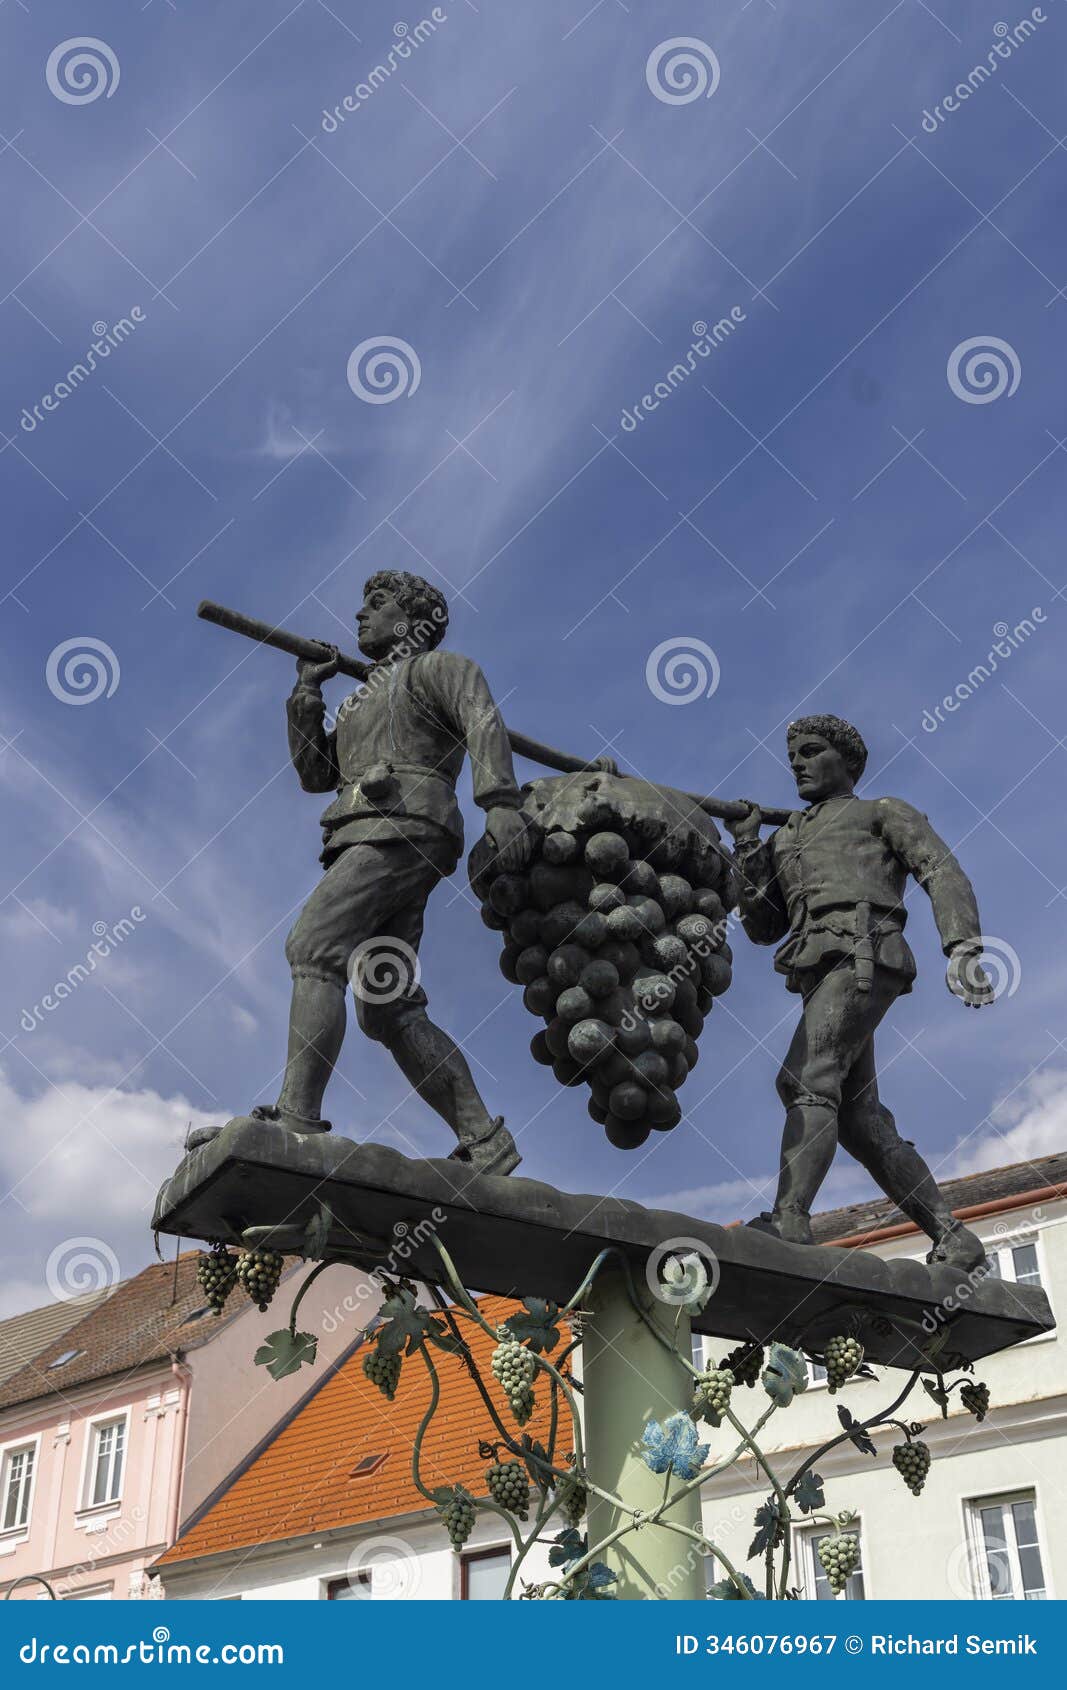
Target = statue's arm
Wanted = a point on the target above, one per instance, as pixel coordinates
(312, 749)
(760, 902)
(461, 695)
(925, 855)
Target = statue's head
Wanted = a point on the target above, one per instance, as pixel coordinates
(827, 756)
(401, 615)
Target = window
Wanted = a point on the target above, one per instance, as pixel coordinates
(816, 1373)
(369, 1464)
(107, 1450)
(816, 1583)
(483, 1575)
(698, 1352)
(1016, 1263)
(17, 1486)
(357, 1588)
(62, 1360)
(1007, 1548)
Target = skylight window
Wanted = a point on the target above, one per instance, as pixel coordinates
(369, 1464)
(62, 1360)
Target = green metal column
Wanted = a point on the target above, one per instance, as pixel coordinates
(630, 1378)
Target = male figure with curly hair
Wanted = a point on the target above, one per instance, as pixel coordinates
(831, 883)
(391, 833)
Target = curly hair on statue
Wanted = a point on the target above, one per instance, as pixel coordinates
(424, 606)
(844, 738)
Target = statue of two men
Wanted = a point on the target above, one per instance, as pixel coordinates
(828, 886)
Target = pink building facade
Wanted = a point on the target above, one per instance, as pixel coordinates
(120, 1429)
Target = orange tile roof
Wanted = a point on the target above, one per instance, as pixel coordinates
(301, 1483)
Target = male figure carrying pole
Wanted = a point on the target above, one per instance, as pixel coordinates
(831, 882)
(391, 833)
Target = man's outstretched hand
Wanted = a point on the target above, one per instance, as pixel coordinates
(966, 978)
(511, 839)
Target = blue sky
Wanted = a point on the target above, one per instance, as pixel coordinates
(817, 504)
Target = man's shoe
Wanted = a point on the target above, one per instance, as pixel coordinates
(792, 1226)
(494, 1153)
(291, 1122)
(958, 1247)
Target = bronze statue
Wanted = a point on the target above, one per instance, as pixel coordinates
(390, 834)
(831, 882)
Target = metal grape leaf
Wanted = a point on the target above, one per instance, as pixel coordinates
(726, 1590)
(809, 1493)
(785, 1375)
(567, 1547)
(316, 1233)
(406, 1324)
(674, 1445)
(537, 1325)
(769, 1529)
(286, 1352)
(856, 1432)
(939, 1394)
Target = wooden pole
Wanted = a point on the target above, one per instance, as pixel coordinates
(319, 651)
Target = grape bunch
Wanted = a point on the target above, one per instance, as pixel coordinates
(745, 1363)
(572, 1496)
(712, 1395)
(617, 935)
(216, 1274)
(975, 1396)
(259, 1272)
(841, 1358)
(840, 1556)
(458, 1516)
(383, 1371)
(510, 1486)
(912, 1462)
(514, 1368)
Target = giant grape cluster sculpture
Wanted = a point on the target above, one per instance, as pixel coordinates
(617, 934)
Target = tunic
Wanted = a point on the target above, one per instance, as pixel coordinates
(397, 749)
(833, 878)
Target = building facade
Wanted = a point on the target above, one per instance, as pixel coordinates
(115, 1429)
(990, 1521)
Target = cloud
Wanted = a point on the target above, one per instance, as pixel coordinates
(1030, 1124)
(81, 1161)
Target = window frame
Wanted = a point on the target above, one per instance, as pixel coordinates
(331, 1586)
(981, 1588)
(485, 1552)
(15, 1446)
(809, 1589)
(93, 1427)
